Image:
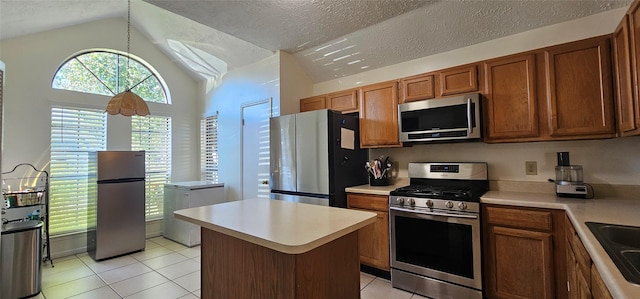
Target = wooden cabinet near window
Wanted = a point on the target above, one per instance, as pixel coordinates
(522, 255)
(373, 240)
(379, 115)
(313, 103)
(512, 102)
(579, 89)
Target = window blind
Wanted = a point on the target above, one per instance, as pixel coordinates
(209, 148)
(74, 133)
(153, 135)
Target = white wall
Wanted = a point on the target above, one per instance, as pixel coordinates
(295, 84)
(31, 61)
(248, 84)
(609, 161)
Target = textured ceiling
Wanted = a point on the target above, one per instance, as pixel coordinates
(437, 28)
(290, 25)
(330, 38)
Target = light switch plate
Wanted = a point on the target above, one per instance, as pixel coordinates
(531, 167)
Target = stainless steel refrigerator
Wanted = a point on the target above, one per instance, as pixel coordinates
(314, 156)
(116, 212)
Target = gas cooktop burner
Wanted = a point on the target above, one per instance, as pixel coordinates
(434, 192)
(448, 181)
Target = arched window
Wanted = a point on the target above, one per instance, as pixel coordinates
(77, 131)
(105, 72)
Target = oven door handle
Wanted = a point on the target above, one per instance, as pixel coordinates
(435, 213)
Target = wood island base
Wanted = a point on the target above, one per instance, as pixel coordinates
(234, 268)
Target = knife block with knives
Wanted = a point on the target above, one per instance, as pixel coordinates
(379, 171)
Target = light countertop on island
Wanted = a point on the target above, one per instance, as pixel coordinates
(287, 227)
(615, 210)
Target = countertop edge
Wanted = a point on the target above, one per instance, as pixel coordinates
(613, 279)
(284, 248)
(378, 190)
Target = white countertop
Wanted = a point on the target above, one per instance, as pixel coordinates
(378, 190)
(623, 210)
(288, 227)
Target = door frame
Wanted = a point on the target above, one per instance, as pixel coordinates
(242, 107)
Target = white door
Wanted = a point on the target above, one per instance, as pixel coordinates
(255, 149)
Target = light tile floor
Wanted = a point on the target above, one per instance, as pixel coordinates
(165, 269)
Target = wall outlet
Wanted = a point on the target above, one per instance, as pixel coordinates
(531, 167)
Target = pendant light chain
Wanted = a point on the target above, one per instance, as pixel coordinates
(127, 102)
(128, 42)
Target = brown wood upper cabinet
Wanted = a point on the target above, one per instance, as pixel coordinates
(523, 255)
(626, 55)
(625, 101)
(379, 115)
(512, 103)
(458, 80)
(313, 103)
(579, 91)
(345, 101)
(416, 88)
(444, 83)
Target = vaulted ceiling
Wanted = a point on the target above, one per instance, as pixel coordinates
(329, 38)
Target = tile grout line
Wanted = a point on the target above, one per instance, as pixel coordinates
(86, 264)
(139, 261)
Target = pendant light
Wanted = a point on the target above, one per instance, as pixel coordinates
(127, 103)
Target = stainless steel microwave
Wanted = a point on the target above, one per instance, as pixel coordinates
(436, 120)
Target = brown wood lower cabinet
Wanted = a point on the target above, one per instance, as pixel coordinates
(523, 255)
(373, 240)
(583, 279)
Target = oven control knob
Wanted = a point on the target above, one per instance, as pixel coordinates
(462, 206)
(400, 200)
(412, 202)
(448, 204)
(429, 203)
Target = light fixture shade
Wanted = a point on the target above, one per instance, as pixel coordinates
(127, 103)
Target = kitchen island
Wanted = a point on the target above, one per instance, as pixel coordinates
(263, 248)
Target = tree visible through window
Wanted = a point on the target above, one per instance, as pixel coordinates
(152, 134)
(105, 73)
(74, 134)
(77, 131)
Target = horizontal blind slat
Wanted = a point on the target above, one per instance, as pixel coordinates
(153, 135)
(74, 133)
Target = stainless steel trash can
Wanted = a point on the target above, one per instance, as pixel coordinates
(21, 259)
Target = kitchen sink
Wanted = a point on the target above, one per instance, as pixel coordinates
(622, 244)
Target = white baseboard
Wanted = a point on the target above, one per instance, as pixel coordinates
(71, 244)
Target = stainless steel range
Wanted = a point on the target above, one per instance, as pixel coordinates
(435, 230)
